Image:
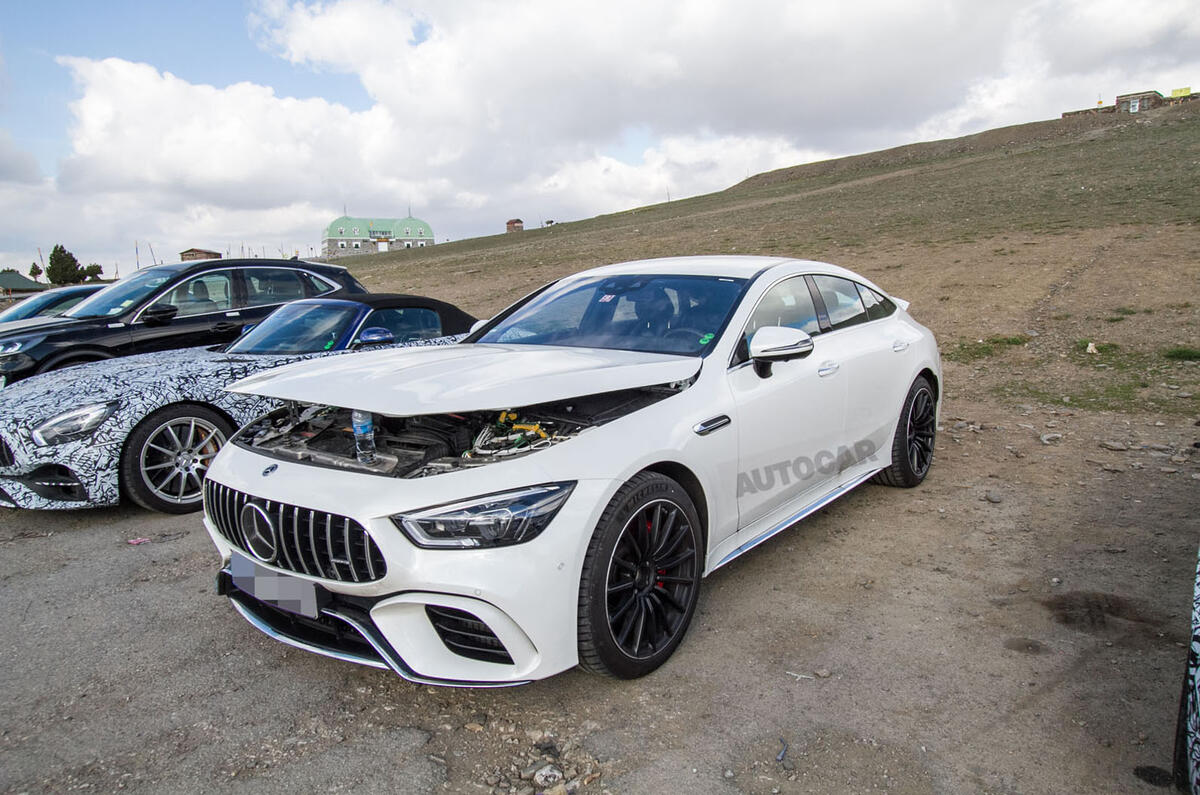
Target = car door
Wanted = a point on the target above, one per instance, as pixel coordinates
(407, 324)
(789, 422)
(205, 314)
(265, 289)
(871, 355)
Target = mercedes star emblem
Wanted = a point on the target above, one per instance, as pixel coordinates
(259, 532)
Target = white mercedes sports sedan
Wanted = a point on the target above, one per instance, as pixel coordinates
(549, 492)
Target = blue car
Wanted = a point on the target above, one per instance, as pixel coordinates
(50, 302)
(147, 426)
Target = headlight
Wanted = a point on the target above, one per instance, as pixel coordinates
(73, 424)
(496, 520)
(19, 344)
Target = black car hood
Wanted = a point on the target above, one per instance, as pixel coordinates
(32, 325)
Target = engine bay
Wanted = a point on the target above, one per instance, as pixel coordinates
(435, 444)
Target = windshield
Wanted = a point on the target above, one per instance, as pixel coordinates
(657, 314)
(129, 292)
(36, 304)
(300, 328)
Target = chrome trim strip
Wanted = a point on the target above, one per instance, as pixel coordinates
(296, 538)
(791, 520)
(272, 633)
(367, 551)
(398, 665)
(337, 575)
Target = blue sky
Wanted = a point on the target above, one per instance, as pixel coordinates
(224, 124)
(206, 42)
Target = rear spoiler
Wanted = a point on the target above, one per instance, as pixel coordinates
(901, 303)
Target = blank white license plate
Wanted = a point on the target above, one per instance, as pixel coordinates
(267, 585)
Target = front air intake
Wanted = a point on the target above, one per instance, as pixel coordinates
(464, 634)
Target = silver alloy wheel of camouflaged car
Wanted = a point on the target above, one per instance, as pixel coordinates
(167, 455)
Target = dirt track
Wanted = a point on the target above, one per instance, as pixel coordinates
(1014, 625)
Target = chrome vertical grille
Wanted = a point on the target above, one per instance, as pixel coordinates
(309, 542)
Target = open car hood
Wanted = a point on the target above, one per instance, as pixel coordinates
(462, 378)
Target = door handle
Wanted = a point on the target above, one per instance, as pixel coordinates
(899, 346)
(710, 425)
(828, 368)
(225, 325)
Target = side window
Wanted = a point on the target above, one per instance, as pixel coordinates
(789, 304)
(412, 323)
(842, 302)
(272, 286)
(209, 292)
(312, 285)
(877, 306)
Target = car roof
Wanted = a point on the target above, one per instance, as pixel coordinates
(730, 266)
(76, 288)
(192, 266)
(451, 315)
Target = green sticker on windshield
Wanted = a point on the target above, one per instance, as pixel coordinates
(707, 338)
(329, 345)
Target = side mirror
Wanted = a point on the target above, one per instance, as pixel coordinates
(375, 335)
(777, 344)
(478, 324)
(159, 314)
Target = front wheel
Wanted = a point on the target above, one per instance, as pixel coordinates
(167, 455)
(912, 445)
(641, 578)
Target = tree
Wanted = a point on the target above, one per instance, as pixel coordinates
(92, 272)
(63, 268)
(35, 271)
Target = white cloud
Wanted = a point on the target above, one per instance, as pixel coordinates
(16, 165)
(482, 111)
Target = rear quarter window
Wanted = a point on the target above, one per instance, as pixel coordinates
(842, 301)
(878, 306)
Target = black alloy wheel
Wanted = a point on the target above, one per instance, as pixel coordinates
(641, 578)
(913, 443)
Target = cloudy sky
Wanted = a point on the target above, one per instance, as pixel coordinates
(230, 124)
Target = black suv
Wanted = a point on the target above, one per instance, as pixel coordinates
(162, 307)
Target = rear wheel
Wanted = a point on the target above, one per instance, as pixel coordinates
(167, 455)
(641, 578)
(912, 445)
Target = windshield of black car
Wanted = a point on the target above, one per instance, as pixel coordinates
(300, 328)
(120, 296)
(656, 314)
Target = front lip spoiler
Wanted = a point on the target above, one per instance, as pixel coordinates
(389, 657)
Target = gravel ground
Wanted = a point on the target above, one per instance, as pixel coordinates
(1016, 624)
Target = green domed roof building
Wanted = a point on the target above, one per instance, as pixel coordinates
(348, 235)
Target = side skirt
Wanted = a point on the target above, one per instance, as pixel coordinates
(784, 524)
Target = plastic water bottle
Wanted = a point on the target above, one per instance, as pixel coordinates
(364, 436)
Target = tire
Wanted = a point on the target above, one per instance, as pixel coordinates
(636, 599)
(167, 454)
(912, 444)
(1186, 725)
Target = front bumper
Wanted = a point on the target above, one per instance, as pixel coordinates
(79, 474)
(346, 631)
(416, 617)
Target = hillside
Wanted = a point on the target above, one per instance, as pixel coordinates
(1081, 229)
